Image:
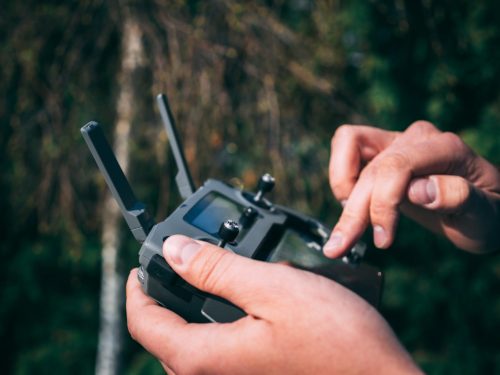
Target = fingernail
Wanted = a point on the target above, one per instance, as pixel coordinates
(379, 236)
(431, 190)
(423, 191)
(180, 249)
(333, 244)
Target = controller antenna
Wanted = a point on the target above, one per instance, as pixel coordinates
(183, 177)
(134, 212)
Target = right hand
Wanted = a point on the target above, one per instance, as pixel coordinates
(297, 322)
(431, 176)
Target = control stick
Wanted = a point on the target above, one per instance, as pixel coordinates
(228, 232)
(266, 184)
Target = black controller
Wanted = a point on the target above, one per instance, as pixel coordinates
(239, 221)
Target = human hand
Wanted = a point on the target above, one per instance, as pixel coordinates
(432, 176)
(297, 322)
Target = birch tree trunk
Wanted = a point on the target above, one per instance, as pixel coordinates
(112, 295)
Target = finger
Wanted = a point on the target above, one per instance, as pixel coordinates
(159, 330)
(469, 215)
(443, 152)
(394, 170)
(448, 194)
(183, 347)
(217, 271)
(452, 195)
(351, 147)
(354, 218)
(170, 338)
(393, 173)
(440, 152)
(387, 178)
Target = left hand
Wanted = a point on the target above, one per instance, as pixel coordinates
(297, 322)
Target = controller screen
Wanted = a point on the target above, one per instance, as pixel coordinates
(298, 248)
(211, 211)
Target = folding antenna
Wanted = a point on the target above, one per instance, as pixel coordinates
(183, 177)
(134, 212)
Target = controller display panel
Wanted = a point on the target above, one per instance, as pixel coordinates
(211, 211)
(298, 248)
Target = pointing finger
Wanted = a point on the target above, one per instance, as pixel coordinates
(354, 219)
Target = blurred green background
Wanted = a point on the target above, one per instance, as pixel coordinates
(255, 86)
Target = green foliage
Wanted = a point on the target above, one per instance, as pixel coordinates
(255, 86)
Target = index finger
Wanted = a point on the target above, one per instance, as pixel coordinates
(352, 146)
(180, 345)
(150, 324)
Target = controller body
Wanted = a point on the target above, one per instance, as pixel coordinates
(270, 233)
(264, 231)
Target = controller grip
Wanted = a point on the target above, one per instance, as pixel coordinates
(162, 284)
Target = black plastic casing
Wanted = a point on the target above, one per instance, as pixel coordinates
(258, 239)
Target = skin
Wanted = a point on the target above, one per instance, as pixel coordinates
(297, 322)
(302, 323)
(431, 176)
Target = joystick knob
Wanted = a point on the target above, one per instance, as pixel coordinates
(228, 232)
(248, 217)
(266, 184)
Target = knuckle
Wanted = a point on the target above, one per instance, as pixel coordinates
(423, 126)
(369, 172)
(351, 219)
(454, 141)
(343, 131)
(395, 162)
(380, 210)
(451, 138)
(210, 272)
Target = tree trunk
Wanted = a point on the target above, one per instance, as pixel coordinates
(112, 295)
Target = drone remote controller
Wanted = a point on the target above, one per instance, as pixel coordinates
(240, 221)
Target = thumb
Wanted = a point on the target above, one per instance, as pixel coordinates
(442, 193)
(241, 280)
